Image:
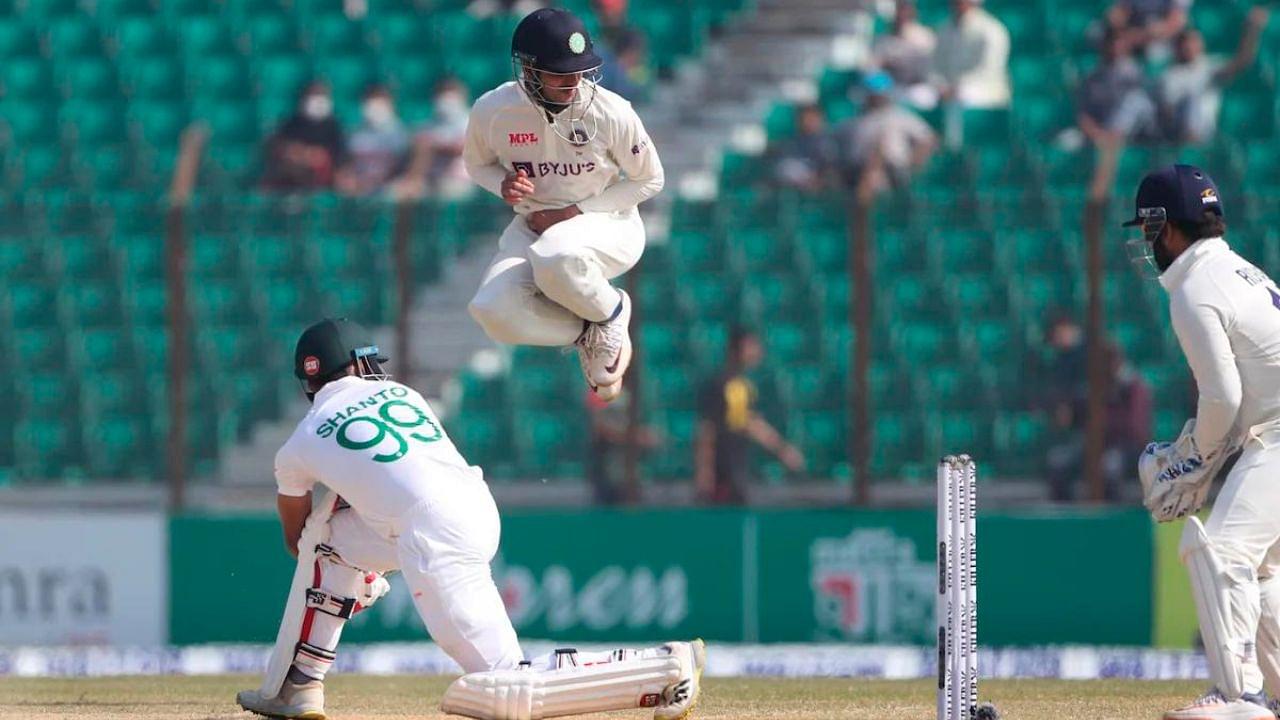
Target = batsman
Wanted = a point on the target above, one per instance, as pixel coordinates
(1226, 314)
(405, 499)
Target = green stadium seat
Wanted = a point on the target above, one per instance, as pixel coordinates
(336, 35)
(922, 342)
(203, 36)
(92, 303)
(141, 36)
(1248, 117)
(482, 394)
(102, 348)
(547, 442)
(26, 78)
(710, 295)
(214, 256)
(909, 295)
(976, 295)
(220, 301)
(84, 256)
(777, 294)
(398, 34)
(73, 36)
(481, 438)
(661, 342)
(788, 343)
(119, 446)
(17, 39)
(41, 347)
(271, 33)
(45, 448)
(699, 250)
(1020, 440)
(32, 304)
(810, 386)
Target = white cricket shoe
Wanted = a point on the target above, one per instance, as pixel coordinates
(680, 697)
(295, 702)
(1214, 706)
(608, 393)
(606, 347)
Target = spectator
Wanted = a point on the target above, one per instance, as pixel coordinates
(906, 53)
(810, 160)
(379, 148)
(304, 152)
(1128, 425)
(886, 143)
(437, 153)
(728, 423)
(1147, 25)
(626, 66)
(1113, 105)
(607, 457)
(1064, 399)
(1190, 90)
(612, 16)
(971, 60)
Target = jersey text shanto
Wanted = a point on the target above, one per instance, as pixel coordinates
(326, 429)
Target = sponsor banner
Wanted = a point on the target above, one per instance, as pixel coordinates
(82, 578)
(848, 576)
(723, 660)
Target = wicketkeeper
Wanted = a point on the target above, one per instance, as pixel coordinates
(405, 499)
(1226, 314)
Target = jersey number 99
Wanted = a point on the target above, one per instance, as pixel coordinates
(388, 425)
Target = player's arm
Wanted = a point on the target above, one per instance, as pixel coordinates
(293, 510)
(479, 158)
(635, 154)
(1202, 332)
(293, 496)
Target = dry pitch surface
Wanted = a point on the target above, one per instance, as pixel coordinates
(353, 697)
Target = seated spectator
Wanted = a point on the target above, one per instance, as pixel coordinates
(1112, 103)
(626, 66)
(379, 148)
(971, 60)
(1190, 90)
(906, 53)
(1147, 25)
(810, 160)
(437, 146)
(885, 143)
(305, 151)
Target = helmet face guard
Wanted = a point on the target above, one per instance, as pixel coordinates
(1141, 251)
(569, 119)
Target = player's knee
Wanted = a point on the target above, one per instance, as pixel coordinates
(490, 314)
(557, 269)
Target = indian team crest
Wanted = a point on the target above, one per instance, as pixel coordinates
(578, 43)
(871, 586)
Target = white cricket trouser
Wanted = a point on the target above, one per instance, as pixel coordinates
(1244, 526)
(538, 289)
(443, 551)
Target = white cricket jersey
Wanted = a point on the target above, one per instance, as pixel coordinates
(377, 444)
(1226, 313)
(616, 171)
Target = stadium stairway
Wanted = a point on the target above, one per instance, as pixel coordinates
(775, 50)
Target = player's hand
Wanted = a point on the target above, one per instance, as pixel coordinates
(516, 187)
(539, 221)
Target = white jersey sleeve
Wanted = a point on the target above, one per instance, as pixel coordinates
(478, 155)
(636, 156)
(292, 476)
(1202, 326)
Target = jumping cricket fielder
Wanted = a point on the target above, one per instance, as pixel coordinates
(404, 499)
(573, 160)
(1226, 314)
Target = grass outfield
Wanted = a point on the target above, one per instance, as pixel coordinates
(352, 697)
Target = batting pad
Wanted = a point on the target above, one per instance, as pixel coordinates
(1269, 634)
(1227, 605)
(528, 694)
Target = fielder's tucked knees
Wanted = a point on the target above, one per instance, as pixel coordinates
(558, 269)
(500, 321)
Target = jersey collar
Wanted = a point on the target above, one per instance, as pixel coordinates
(335, 386)
(1177, 273)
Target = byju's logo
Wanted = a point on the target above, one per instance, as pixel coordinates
(556, 169)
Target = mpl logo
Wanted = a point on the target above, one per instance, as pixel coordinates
(871, 587)
(522, 138)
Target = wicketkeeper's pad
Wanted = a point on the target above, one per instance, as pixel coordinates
(1227, 603)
